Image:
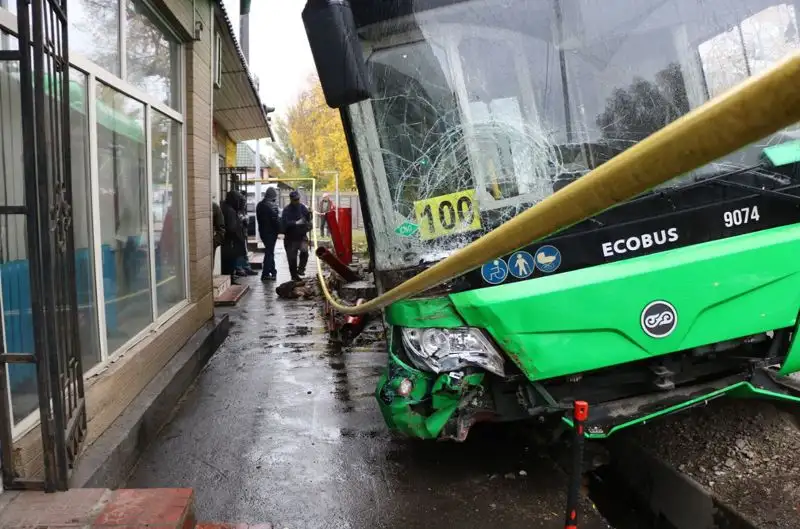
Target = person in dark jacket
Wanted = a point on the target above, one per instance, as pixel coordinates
(296, 223)
(269, 225)
(243, 267)
(219, 227)
(234, 246)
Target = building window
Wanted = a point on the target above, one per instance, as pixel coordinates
(88, 330)
(152, 55)
(168, 193)
(10, 5)
(94, 32)
(125, 237)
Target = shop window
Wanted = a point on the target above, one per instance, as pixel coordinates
(168, 192)
(152, 55)
(122, 175)
(82, 222)
(14, 264)
(94, 32)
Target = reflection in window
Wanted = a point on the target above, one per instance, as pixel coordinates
(94, 32)
(82, 225)
(152, 57)
(11, 5)
(167, 212)
(14, 269)
(749, 48)
(123, 215)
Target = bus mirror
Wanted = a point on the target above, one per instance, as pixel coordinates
(332, 36)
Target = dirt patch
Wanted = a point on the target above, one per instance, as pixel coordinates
(746, 452)
(305, 289)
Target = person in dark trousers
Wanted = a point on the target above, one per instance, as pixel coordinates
(296, 222)
(325, 205)
(219, 227)
(243, 267)
(234, 246)
(269, 225)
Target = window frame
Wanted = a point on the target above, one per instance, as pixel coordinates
(96, 74)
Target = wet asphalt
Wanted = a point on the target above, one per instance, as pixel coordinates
(282, 427)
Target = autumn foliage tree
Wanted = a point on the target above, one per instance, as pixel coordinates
(315, 142)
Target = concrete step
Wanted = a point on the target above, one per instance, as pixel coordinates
(221, 284)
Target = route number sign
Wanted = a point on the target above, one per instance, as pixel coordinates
(447, 215)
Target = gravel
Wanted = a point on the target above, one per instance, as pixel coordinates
(746, 452)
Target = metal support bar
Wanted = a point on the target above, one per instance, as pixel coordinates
(580, 412)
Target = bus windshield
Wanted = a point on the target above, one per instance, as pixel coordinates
(481, 109)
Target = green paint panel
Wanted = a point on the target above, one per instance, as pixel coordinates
(590, 319)
(783, 154)
(423, 313)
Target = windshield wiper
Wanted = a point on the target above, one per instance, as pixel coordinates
(773, 157)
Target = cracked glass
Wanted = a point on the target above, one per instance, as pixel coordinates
(481, 109)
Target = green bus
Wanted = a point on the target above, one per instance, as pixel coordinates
(462, 114)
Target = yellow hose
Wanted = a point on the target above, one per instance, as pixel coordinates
(756, 108)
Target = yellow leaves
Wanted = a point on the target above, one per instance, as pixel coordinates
(317, 136)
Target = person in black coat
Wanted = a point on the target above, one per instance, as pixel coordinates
(269, 225)
(234, 246)
(296, 223)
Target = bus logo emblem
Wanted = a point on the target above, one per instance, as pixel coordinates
(659, 319)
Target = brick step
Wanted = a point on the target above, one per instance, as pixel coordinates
(214, 525)
(99, 509)
(231, 296)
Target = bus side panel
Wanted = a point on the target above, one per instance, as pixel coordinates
(592, 318)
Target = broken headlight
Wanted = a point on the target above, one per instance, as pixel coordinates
(444, 350)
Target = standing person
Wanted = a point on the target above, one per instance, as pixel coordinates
(296, 222)
(219, 228)
(243, 267)
(234, 246)
(325, 205)
(269, 224)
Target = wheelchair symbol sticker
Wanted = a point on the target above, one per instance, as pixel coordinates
(494, 272)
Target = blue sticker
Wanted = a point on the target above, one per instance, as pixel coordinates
(548, 259)
(495, 272)
(521, 265)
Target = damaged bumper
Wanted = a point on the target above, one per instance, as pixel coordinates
(607, 419)
(430, 406)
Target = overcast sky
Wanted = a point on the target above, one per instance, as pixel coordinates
(279, 52)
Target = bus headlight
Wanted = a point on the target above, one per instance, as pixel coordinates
(444, 350)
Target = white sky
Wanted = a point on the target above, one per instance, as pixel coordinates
(279, 52)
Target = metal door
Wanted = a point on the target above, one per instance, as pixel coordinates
(43, 60)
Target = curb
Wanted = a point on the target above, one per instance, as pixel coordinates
(109, 460)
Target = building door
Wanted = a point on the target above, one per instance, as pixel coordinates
(44, 210)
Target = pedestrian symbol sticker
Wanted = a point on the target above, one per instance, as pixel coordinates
(521, 265)
(548, 259)
(495, 272)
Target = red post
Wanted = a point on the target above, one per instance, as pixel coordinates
(580, 413)
(346, 231)
(336, 234)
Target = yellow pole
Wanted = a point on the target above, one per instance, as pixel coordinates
(751, 111)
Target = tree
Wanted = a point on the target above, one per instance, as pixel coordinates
(315, 142)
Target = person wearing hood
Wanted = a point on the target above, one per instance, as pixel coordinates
(234, 245)
(269, 225)
(296, 223)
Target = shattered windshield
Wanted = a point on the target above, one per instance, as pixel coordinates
(481, 109)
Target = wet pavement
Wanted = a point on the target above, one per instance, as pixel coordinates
(282, 427)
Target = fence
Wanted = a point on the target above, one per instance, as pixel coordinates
(347, 199)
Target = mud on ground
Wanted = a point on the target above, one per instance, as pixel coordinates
(746, 452)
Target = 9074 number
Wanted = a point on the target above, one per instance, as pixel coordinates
(738, 217)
